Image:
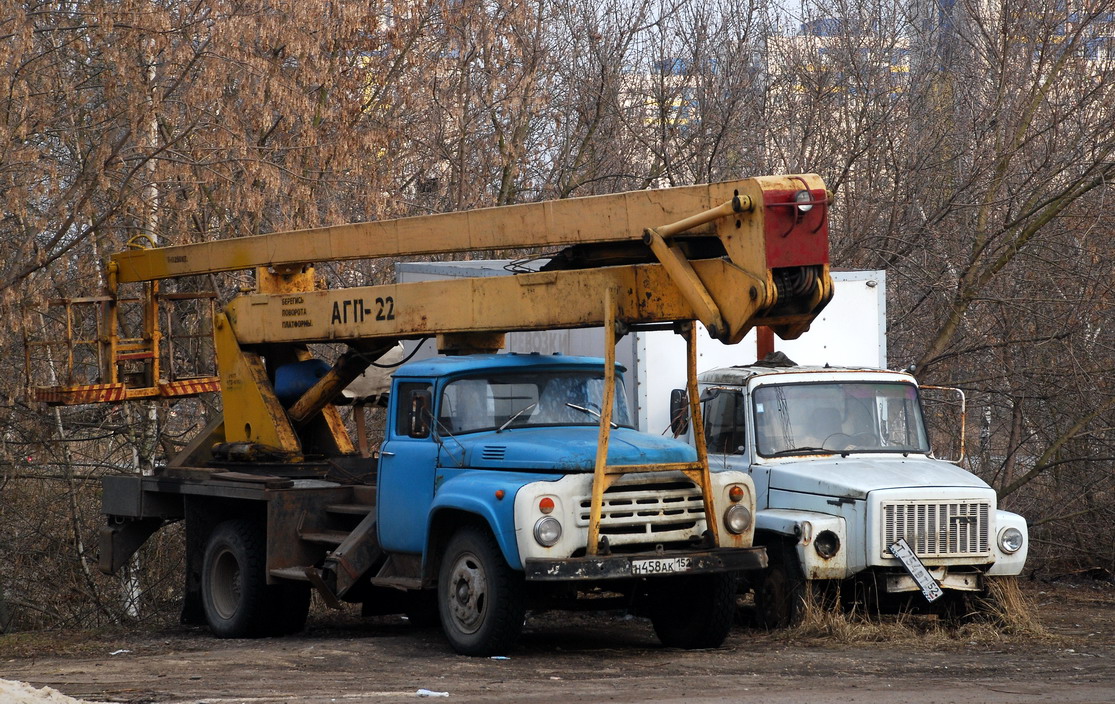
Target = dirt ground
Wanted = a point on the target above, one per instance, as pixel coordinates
(595, 658)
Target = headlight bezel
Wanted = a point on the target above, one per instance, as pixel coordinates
(551, 539)
(738, 519)
(1005, 536)
(827, 544)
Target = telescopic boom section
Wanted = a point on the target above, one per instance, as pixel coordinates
(616, 218)
(732, 255)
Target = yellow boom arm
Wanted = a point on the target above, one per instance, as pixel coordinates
(732, 255)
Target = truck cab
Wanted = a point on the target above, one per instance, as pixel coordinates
(485, 479)
(843, 469)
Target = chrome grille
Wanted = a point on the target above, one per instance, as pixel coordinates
(938, 528)
(646, 509)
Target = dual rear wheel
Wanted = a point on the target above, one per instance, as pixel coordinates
(238, 601)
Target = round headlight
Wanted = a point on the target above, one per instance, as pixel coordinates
(827, 544)
(737, 518)
(1010, 540)
(547, 531)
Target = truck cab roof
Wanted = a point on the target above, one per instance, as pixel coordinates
(466, 364)
(741, 375)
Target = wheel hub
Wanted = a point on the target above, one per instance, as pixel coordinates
(225, 584)
(468, 593)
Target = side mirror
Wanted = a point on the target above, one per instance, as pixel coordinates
(679, 412)
(419, 413)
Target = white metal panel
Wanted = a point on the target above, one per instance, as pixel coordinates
(851, 331)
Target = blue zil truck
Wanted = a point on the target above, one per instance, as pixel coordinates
(477, 509)
(502, 482)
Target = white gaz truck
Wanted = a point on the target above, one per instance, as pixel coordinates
(849, 492)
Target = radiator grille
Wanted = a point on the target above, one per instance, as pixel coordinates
(646, 509)
(938, 528)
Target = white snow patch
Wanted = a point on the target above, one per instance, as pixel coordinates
(22, 693)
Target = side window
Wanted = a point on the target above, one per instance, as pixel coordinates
(724, 423)
(414, 411)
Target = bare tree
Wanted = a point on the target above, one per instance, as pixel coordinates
(969, 154)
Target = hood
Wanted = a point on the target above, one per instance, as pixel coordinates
(559, 449)
(855, 476)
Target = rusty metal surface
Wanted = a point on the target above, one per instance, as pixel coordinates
(119, 541)
(297, 511)
(356, 556)
(620, 566)
(249, 397)
(606, 218)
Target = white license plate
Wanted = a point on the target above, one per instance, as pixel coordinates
(929, 587)
(642, 568)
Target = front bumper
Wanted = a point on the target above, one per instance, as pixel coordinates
(625, 566)
(956, 581)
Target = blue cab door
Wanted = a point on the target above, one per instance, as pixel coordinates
(407, 466)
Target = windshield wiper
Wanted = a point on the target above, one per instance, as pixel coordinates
(800, 451)
(442, 432)
(591, 412)
(518, 413)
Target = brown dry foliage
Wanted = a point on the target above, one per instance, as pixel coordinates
(1003, 613)
(974, 168)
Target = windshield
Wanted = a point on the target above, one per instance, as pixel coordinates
(504, 401)
(838, 417)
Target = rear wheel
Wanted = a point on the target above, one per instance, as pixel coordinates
(237, 600)
(480, 598)
(695, 611)
(233, 585)
(421, 608)
(290, 605)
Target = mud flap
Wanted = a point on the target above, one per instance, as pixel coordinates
(119, 541)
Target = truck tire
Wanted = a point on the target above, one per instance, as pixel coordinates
(237, 600)
(421, 608)
(290, 605)
(780, 593)
(695, 611)
(480, 598)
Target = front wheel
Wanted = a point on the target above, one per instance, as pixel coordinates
(779, 596)
(695, 611)
(480, 598)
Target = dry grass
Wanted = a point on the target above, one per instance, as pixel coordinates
(68, 643)
(1009, 611)
(1003, 615)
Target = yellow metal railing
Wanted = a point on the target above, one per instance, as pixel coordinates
(106, 348)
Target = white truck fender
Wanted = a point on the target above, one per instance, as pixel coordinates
(803, 528)
(1008, 564)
